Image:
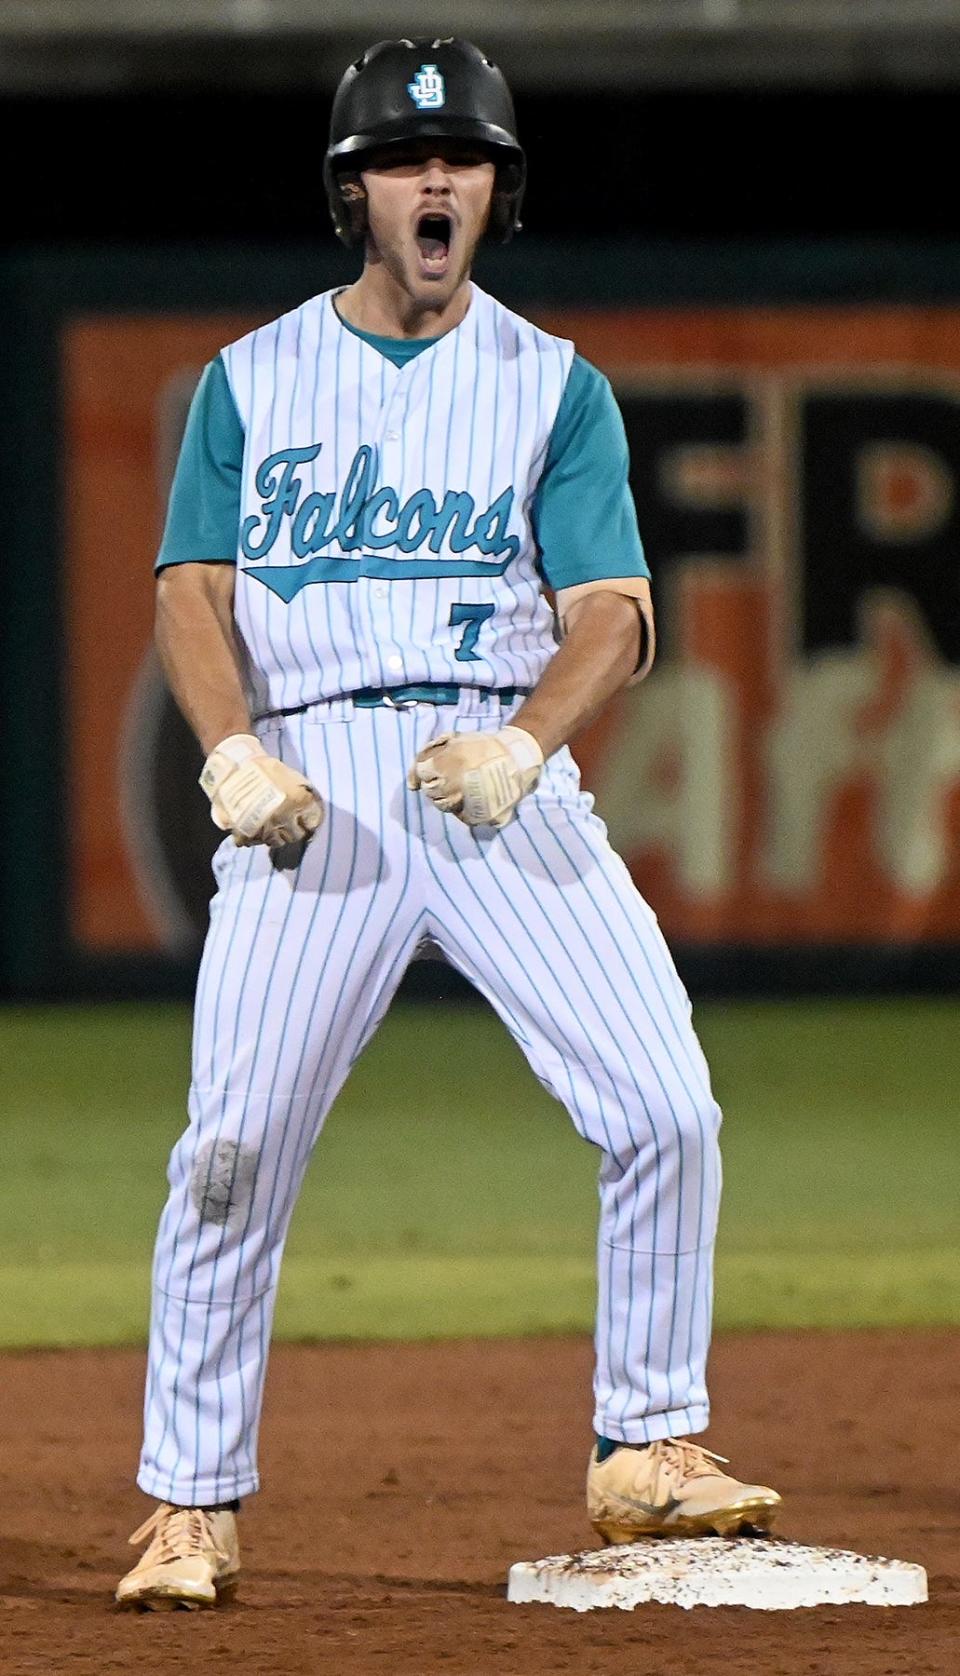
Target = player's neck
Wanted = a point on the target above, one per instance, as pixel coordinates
(377, 304)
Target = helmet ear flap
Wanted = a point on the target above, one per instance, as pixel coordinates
(504, 219)
(349, 206)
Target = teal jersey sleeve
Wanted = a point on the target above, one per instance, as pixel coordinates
(583, 514)
(203, 512)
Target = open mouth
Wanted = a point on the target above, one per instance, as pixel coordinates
(434, 233)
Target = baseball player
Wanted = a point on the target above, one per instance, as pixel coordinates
(373, 496)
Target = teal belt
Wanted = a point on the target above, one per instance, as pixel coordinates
(397, 698)
(429, 692)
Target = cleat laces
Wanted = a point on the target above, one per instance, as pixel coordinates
(685, 1459)
(178, 1533)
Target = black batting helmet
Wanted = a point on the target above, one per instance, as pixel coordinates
(410, 90)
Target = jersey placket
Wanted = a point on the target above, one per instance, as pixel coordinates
(381, 595)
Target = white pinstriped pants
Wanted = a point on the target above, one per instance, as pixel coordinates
(299, 968)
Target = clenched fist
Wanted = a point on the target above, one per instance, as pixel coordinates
(256, 796)
(479, 777)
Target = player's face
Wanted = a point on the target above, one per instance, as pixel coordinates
(427, 205)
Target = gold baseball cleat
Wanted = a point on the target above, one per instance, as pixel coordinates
(193, 1560)
(673, 1488)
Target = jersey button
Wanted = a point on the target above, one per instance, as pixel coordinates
(392, 436)
(380, 591)
(394, 663)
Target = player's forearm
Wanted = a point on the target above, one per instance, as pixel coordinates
(196, 644)
(599, 654)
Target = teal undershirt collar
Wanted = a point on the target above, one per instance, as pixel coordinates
(397, 350)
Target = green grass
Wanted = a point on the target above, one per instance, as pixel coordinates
(423, 1215)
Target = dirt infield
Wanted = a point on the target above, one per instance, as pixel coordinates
(400, 1482)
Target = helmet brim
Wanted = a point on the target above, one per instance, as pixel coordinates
(350, 152)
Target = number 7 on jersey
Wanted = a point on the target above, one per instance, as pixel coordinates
(473, 616)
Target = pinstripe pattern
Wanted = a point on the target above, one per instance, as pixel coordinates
(298, 969)
(504, 373)
(406, 491)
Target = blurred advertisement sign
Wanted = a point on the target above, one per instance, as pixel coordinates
(790, 773)
(141, 834)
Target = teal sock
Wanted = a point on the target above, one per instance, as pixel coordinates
(607, 1445)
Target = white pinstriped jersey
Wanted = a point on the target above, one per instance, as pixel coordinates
(442, 456)
(384, 520)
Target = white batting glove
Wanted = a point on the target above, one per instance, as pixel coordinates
(479, 777)
(256, 796)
